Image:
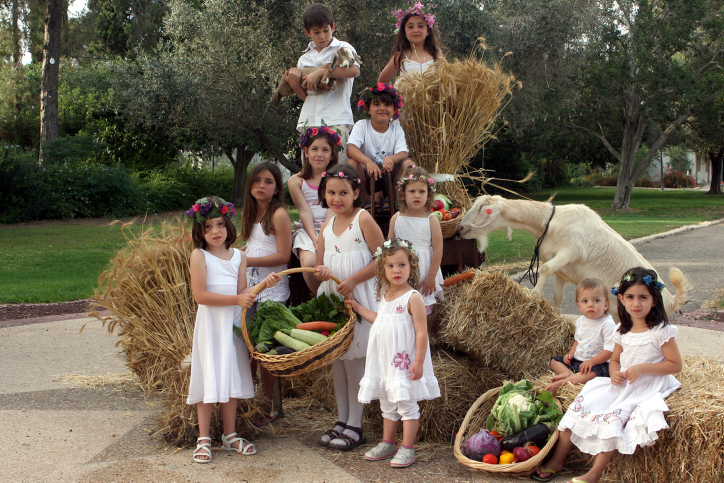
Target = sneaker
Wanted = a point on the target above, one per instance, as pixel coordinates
(382, 451)
(404, 458)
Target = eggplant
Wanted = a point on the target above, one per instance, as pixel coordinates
(538, 434)
(283, 350)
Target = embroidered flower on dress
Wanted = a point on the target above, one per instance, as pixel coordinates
(401, 360)
(399, 309)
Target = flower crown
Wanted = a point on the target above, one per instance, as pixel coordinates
(647, 279)
(397, 242)
(417, 9)
(372, 92)
(321, 130)
(340, 174)
(204, 209)
(410, 178)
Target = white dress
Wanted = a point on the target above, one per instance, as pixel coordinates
(301, 240)
(605, 417)
(390, 354)
(346, 255)
(261, 245)
(412, 67)
(219, 360)
(417, 231)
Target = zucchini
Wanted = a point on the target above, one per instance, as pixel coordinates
(537, 434)
(287, 341)
(307, 336)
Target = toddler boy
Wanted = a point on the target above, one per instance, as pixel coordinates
(332, 107)
(594, 336)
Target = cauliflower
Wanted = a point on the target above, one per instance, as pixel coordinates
(519, 401)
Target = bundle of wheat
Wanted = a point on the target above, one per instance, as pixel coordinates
(690, 451)
(502, 325)
(148, 294)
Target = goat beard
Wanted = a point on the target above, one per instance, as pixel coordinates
(482, 243)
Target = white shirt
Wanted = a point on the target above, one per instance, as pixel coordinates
(333, 107)
(377, 146)
(594, 336)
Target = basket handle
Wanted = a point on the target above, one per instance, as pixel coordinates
(261, 286)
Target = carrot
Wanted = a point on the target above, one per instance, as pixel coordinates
(457, 278)
(316, 326)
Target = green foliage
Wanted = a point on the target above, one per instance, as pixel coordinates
(174, 188)
(678, 179)
(678, 159)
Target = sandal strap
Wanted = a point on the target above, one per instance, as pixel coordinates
(203, 447)
(356, 430)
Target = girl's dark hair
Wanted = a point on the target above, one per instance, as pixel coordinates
(251, 209)
(402, 44)
(416, 172)
(657, 315)
(199, 229)
(384, 97)
(306, 171)
(350, 176)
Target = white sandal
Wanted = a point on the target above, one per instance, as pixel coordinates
(227, 441)
(202, 447)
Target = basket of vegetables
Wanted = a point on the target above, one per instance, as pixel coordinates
(449, 214)
(509, 430)
(292, 341)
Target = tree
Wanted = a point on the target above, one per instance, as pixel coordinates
(49, 81)
(646, 63)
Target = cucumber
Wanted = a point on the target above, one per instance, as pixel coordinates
(287, 341)
(307, 336)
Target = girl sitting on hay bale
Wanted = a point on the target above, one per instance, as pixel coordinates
(627, 409)
(220, 370)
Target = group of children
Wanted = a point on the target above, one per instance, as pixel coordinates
(392, 282)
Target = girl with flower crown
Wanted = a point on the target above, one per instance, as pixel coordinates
(346, 242)
(416, 46)
(625, 410)
(319, 152)
(416, 223)
(399, 369)
(375, 145)
(220, 371)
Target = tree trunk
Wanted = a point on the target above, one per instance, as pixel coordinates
(240, 164)
(15, 20)
(716, 167)
(49, 82)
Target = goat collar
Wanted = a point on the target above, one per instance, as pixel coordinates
(533, 276)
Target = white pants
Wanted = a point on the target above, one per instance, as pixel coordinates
(402, 409)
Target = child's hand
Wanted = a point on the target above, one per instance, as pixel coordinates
(345, 288)
(568, 358)
(585, 367)
(310, 82)
(416, 370)
(272, 279)
(323, 273)
(246, 300)
(315, 241)
(634, 372)
(293, 76)
(617, 377)
(352, 303)
(388, 164)
(428, 285)
(373, 171)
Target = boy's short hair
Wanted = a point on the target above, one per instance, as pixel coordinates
(589, 284)
(384, 97)
(317, 15)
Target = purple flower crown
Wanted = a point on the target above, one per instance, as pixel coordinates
(340, 174)
(321, 130)
(372, 92)
(204, 209)
(417, 9)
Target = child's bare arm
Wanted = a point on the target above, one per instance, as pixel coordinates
(670, 365)
(586, 366)
(293, 77)
(356, 154)
(390, 161)
(569, 357)
(388, 72)
(419, 319)
(366, 313)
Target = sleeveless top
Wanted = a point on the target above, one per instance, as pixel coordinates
(417, 231)
(261, 245)
(319, 213)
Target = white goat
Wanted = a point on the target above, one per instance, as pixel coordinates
(578, 245)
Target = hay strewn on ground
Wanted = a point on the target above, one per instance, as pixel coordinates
(148, 294)
(690, 451)
(502, 325)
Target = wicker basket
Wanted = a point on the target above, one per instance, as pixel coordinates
(450, 227)
(319, 355)
(475, 420)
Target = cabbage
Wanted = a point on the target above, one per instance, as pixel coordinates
(480, 444)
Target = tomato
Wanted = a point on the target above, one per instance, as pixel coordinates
(490, 459)
(496, 434)
(533, 449)
(506, 459)
(446, 217)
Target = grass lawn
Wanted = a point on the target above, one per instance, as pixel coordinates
(61, 260)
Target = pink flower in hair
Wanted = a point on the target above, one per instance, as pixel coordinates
(380, 86)
(360, 103)
(224, 209)
(341, 174)
(324, 173)
(315, 131)
(430, 180)
(410, 177)
(196, 207)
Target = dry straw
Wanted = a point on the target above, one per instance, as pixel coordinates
(449, 110)
(690, 451)
(502, 325)
(148, 294)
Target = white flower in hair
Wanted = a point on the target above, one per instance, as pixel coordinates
(387, 244)
(402, 243)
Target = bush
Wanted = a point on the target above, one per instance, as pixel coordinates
(677, 179)
(678, 159)
(175, 188)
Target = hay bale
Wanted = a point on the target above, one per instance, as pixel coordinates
(148, 294)
(461, 379)
(502, 325)
(690, 451)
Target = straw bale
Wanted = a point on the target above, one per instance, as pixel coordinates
(690, 451)
(461, 379)
(502, 325)
(98, 380)
(147, 291)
